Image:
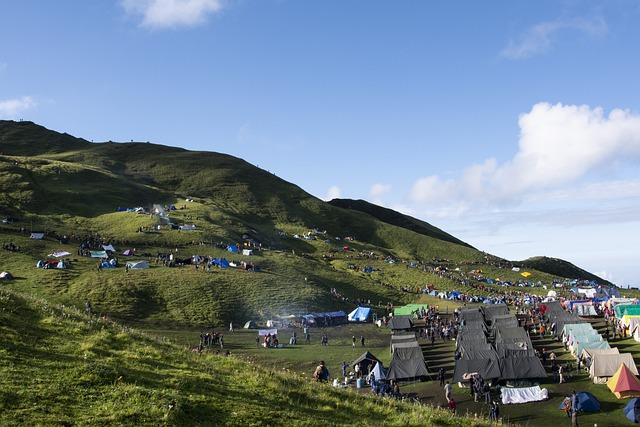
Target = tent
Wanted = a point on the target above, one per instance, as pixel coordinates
(487, 368)
(379, 373)
(108, 248)
(220, 262)
(366, 361)
(233, 249)
(99, 254)
(406, 364)
(250, 324)
(553, 294)
(409, 309)
(60, 254)
(604, 366)
(585, 402)
(400, 323)
(623, 383)
(187, 227)
(5, 275)
(137, 265)
(584, 310)
(520, 368)
(404, 344)
(632, 410)
(588, 353)
(247, 252)
(265, 332)
(523, 394)
(360, 314)
(36, 236)
(622, 309)
(128, 252)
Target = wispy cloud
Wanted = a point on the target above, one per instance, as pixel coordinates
(540, 38)
(163, 14)
(11, 108)
(334, 192)
(559, 145)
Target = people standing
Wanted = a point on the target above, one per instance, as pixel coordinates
(441, 373)
(574, 409)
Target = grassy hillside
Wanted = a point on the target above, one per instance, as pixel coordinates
(58, 367)
(66, 186)
(561, 268)
(395, 218)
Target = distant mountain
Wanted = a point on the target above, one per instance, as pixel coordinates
(396, 218)
(561, 268)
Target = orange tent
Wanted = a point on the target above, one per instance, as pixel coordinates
(623, 383)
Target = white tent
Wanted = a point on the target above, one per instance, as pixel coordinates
(37, 236)
(137, 265)
(523, 394)
(603, 366)
(552, 293)
(247, 252)
(108, 248)
(5, 275)
(60, 254)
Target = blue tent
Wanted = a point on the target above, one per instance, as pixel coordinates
(360, 314)
(233, 248)
(632, 410)
(220, 262)
(368, 269)
(586, 402)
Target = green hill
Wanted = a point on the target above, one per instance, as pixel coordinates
(58, 367)
(561, 268)
(396, 218)
(315, 257)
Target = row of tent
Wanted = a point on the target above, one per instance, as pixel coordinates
(491, 343)
(407, 360)
(606, 364)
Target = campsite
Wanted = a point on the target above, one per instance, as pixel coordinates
(284, 213)
(133, 267)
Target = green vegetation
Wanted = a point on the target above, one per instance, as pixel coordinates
(58, 367)
(395, 218)
(559, 267)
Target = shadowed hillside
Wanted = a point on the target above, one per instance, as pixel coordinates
(561, 268)
(396, 218)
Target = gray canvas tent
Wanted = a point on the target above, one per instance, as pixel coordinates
(404, 344)
(487, 368)
(604, 366)
(366, 361)
(399, 323)
(520, 368)
(406, 364)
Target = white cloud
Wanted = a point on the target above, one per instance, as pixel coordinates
(379, 190)
(539, 38)
(333, 192)
(559, 144)
(11, 108)
(159, 14)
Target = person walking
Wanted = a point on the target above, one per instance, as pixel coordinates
(448, 389)
(574, 409)
(353, 341)
(441, 373)
(362, 340)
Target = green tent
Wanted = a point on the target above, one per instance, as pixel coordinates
(630, 309)
(409, 309)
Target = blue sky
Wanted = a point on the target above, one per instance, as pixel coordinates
(514, 125)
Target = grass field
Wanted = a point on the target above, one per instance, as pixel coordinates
(58, 367)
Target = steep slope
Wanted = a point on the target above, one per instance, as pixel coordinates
(58, 367)
(249, 195)
(561, 268)
(396, 218)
